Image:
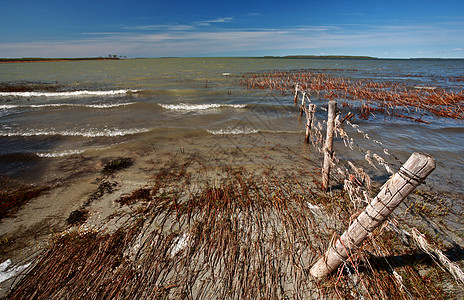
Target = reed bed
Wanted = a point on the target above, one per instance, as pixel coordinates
(365, 96)
(244, 237)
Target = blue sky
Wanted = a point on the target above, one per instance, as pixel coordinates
(136, 28)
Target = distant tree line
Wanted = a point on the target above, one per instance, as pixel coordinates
(115, 56)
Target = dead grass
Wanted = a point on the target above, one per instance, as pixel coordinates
(366, 98)
(242, 237)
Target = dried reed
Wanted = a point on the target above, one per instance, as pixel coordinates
(366, 97)
(243, 237)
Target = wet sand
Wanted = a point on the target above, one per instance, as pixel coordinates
(26, 233)
(30, 231)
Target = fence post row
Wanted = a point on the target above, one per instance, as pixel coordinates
(398, 187)
(328, 147)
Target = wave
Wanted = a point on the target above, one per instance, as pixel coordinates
(236, 131)
(187, 106)
(59, 153)
(233, 131)
(103, 106)
(63, 153)
(425, 87)
(68, 94)
(283, 131)
(87, 134)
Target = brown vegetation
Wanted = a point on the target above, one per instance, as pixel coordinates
(11, 200)
(246, 237)
(366, 96)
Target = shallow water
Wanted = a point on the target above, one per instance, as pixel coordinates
(82, 107)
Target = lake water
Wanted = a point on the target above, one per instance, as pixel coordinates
(53, 111)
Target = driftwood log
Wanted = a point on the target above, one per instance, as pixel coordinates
(398, 187)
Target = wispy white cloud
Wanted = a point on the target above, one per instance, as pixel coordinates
(171, 27)
(100, 33)
(218, 20)
(197, 40)
(179, 27)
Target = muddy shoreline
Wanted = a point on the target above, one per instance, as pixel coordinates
(41, 225)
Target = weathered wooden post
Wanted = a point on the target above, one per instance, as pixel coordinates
(309, 120)
(328, 147)
(302, 105)
(297, 87)
(398, 187)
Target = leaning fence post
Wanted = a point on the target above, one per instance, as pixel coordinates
(328, 147)
(398, 187)
(297, 87)
(302, 105)
(309, 120)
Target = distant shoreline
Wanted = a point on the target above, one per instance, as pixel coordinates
(347, 57)
(40, 59)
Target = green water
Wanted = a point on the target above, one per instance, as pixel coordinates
(199, 104)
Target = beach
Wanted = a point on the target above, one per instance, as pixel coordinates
(215, 174)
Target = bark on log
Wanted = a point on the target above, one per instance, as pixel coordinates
(398, 187)
(309, 120)
(328, 147)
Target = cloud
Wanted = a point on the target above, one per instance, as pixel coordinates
(196, 40)
(219, 20)
(100, 33)
(172, 27)
(179, 27)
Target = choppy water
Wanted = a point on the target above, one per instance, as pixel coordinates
(74, 107)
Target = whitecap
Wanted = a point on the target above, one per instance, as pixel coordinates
(100, 105)
(88, 133)
(109, 105)
(425, 87)
(233, 131)
(67, 94)
(283, 131)
(60, 153)
(186, 106)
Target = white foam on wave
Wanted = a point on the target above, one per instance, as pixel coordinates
(425, 87)
(109, 105)
(103, 105)
(67, 94)
(60, 153)
(64, 153)
(89, 133)
(283, 131)
(187, 106)
(233, 131)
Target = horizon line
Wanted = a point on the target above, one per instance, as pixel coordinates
(303, 56)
